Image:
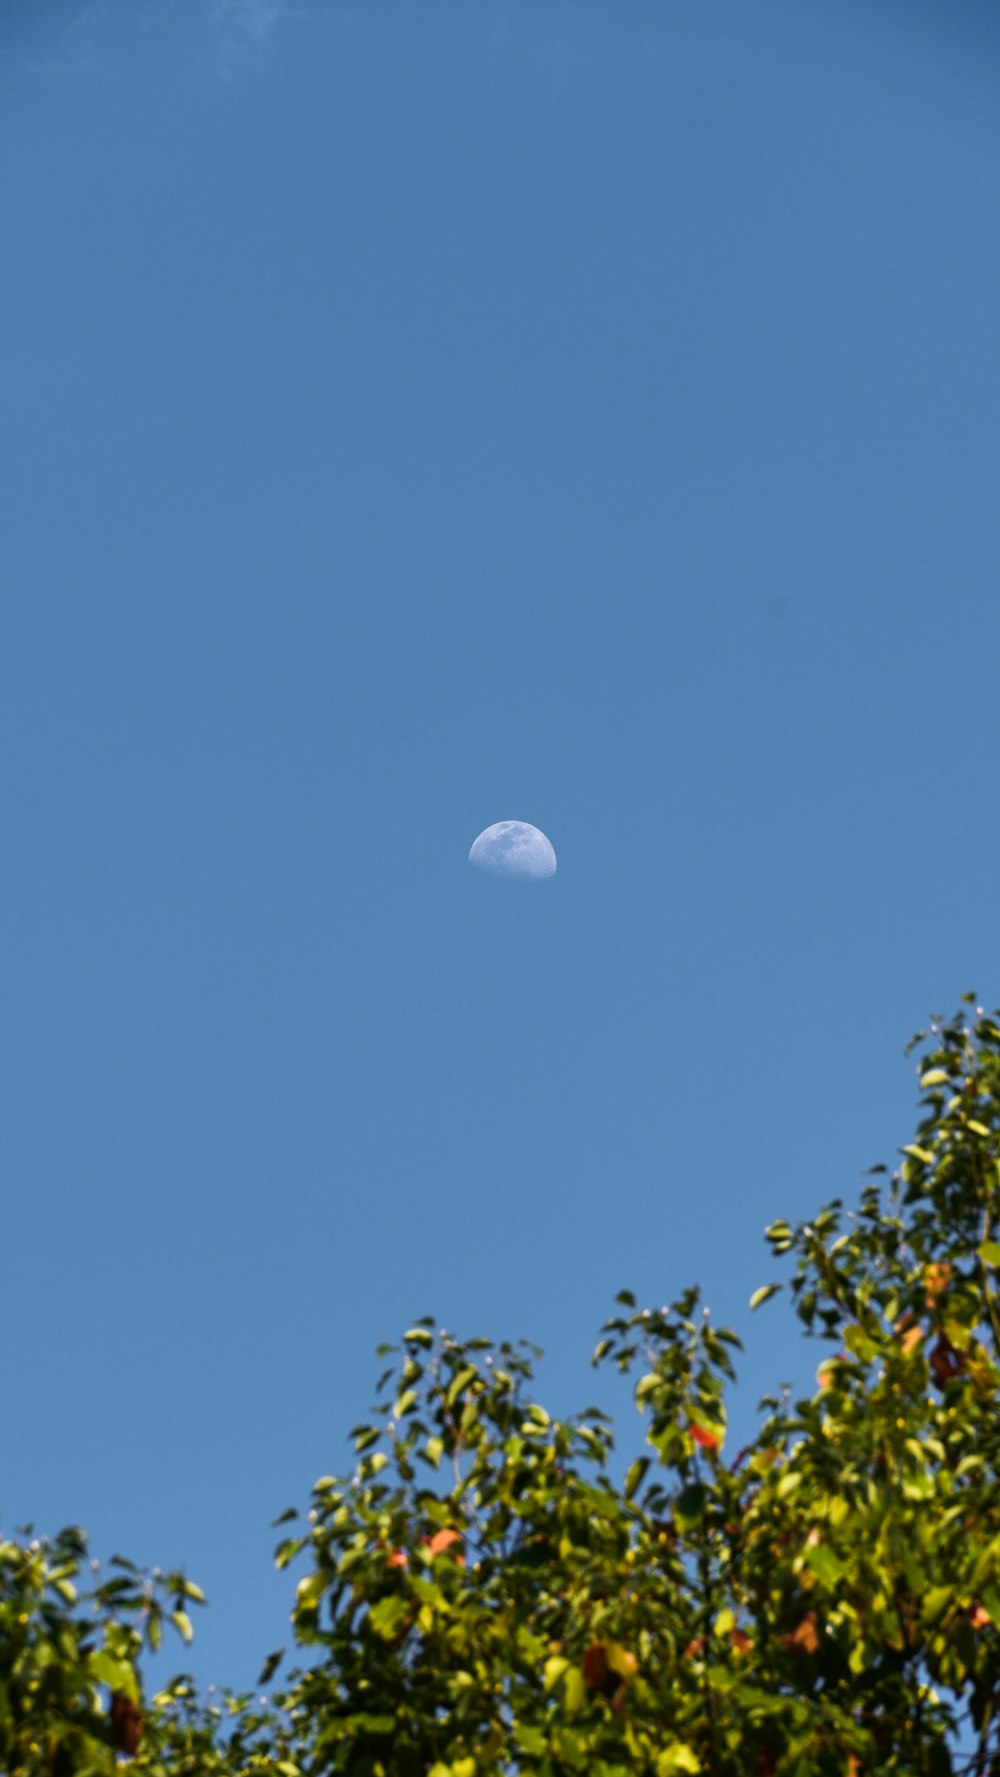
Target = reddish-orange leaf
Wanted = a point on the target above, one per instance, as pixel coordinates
(945, 1362)
(594, 1666)
(441, 1540)
(804, 1639)
(126, 1725)
(706, 1440)
(936, 1280)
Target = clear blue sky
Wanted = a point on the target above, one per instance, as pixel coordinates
(418, 416)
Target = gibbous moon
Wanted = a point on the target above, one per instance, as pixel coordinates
(514, 849)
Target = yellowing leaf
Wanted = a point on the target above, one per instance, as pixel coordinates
(553, 1670)
(574, 1691)
(676, 1758)
(309, 1591)
(620, 1660)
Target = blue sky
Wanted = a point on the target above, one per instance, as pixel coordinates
(418, 417)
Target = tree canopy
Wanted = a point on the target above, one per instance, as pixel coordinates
(494, 1590)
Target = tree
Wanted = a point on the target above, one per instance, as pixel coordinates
(487, 1591)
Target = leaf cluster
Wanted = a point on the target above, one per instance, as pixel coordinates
(491, 1589)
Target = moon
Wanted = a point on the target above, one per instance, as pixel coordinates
(514, 849)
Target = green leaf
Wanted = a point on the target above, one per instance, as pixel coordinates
(935, 1601)
(822, 1561)
(388, 1616)
(764, 1294)
(116, 1674)
(936, 1076)
(918, 1486)
(859, 1344)
(418, 1336)
(460, 1382)
(989, 1252)
(636, 1475)
(182, 1623)
(405, 1404)
(529, 1739)
(287, 1551)
(646, 1386)
(270, 1666)
(689, 1505)
(790, 1483)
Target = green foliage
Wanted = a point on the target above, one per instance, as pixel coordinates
(493, 1590)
